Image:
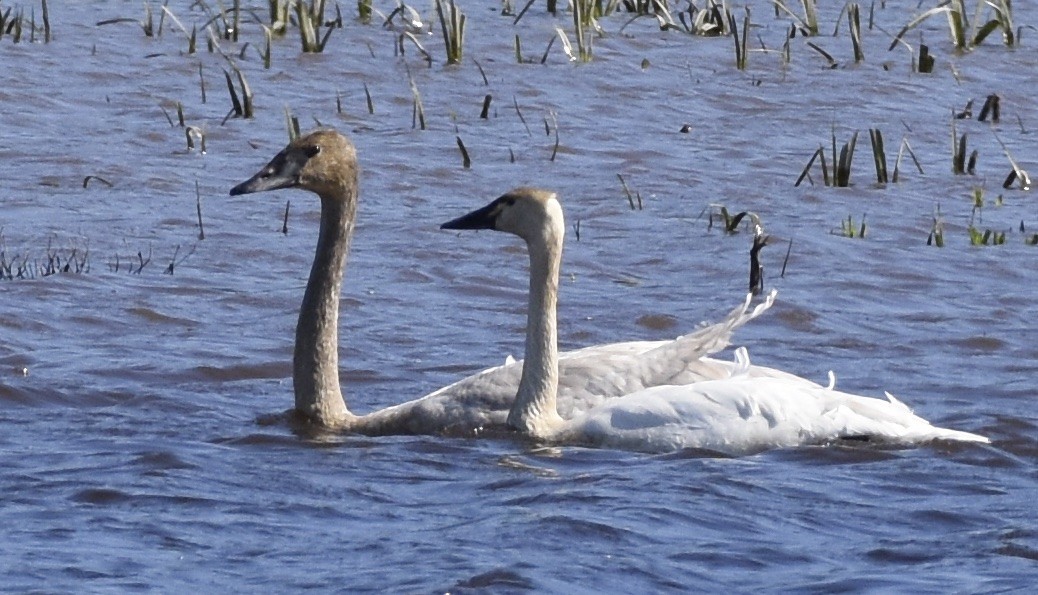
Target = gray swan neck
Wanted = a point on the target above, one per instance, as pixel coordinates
(315, 372)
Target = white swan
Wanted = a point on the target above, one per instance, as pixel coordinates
(752, 410)
(325, 162)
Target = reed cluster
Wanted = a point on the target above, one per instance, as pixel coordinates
(55, 260)
(14, 24)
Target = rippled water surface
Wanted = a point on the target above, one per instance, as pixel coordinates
(140, 436)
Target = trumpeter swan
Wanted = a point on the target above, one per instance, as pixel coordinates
(752, 410)
(325, 163)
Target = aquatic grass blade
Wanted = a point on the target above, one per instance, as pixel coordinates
(943, 7)
(843, 168)
(235, 103)
(854, 23)
(878, 155)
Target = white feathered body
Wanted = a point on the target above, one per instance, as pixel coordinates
(660, 396)
(746, 414)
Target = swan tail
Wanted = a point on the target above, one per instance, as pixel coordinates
(896, 402)
(673, 358)
(927, 431)
(958, 436)
(742, 362)
(715, 337)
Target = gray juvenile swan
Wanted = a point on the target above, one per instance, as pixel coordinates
(325, 163)
(753, 409)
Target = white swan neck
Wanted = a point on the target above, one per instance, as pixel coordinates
(315, 372)
(535, 411)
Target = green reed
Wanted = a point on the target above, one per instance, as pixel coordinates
(842, 176)
(839, 175)
(311, 19)
(291, 125)
(399, 47)
(936, 236)
(854, 24)
(278, 15)
(960, 165)
(878, 155)
(633, 199)
(364, 11)
(466, 162)
(367, 97)
(418, 110)
(198, 210)
(808, 24)
(452, 23)
(583, 22)
(905, 147)
(730, 223)
(1016, 174)
(241, 108)
(988, 237)
(849, 230)
(740, 42)
(46, 22)
(963, 35)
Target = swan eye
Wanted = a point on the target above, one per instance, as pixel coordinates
(267, 172)
(312, 151)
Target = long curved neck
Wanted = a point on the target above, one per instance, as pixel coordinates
(315, 372)
(534, 410)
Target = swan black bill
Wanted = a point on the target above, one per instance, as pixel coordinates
(483, 218)
(283, 171)
(263, 181)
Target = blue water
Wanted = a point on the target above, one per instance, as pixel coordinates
(141, 443)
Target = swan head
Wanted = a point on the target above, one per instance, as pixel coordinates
(530, 213)
(323, 161)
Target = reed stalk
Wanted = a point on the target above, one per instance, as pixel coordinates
(842, 177)
(466, 162)
(854, 24)
(809, 22)
(849, 230)
(958, 151)
(452, 23)
(936, 236)
(418, 111)
(905, 147)
(243, 107)
(992, 108)
(310, 20)
(878, 155)
(291, 124)
(740, 41)
(583, 20)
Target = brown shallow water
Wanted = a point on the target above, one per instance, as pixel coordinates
(137, 451)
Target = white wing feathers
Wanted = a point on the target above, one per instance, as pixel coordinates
(590, 375)
(747, 414)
